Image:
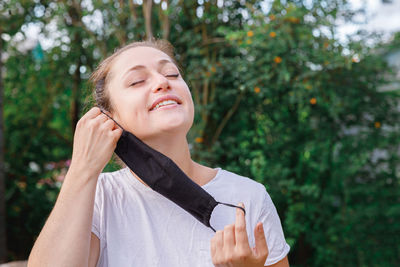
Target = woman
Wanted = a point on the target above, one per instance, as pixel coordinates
(141, 88)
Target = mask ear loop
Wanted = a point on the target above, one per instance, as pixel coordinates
(111, 118)
(233, 206)
(230, 205)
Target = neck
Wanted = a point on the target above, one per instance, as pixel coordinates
(176, 148)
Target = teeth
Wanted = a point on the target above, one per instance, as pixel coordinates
(166, 102)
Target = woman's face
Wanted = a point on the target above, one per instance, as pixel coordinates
(141, 78)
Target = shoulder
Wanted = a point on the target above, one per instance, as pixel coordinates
(111, 181)
(118, 187)
(240, 186)
(240, 182)
(109, 175)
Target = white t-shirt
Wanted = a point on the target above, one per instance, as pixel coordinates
(139, 227)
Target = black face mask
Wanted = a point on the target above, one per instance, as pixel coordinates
(162, 175)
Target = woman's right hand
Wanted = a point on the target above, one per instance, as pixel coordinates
(95, 139)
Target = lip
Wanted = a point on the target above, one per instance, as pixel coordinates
(165, 97)
(167, 107)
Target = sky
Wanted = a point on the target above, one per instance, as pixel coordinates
(380, 17)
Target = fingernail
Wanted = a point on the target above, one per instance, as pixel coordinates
(260, 227)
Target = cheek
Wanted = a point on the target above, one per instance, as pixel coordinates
(128, 106)
(189, 106)
(185, 91)
(133, 106)
(189, 100)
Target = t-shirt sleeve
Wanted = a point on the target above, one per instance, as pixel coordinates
(98, 203)
(277, 246)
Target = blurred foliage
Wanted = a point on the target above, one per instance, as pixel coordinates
(277, 99)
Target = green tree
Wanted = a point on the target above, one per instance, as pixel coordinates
(277, 99)
(320, 134)
(12, 16)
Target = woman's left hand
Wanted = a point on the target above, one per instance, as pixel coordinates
(230, 247)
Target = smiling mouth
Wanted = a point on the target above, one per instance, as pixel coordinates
(165, 103)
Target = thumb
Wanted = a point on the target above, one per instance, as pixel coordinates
(117, 134)
(261, 248)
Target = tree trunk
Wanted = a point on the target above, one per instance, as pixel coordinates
(165, 24)
(147, 5)
(132, 7)
(75, 105)
(3, 232)
(76, 18)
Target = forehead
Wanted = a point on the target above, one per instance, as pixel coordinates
(146, 56)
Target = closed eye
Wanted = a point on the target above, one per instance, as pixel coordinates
(136, 82)
(171, 75)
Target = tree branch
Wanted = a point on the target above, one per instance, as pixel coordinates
(215, 40)
(226, 118)
(60, 136)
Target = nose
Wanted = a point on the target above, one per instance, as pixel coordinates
(161, 83)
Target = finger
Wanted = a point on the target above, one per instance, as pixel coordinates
(219, 241)
(110, 116)
(229, 239)
(101, 118)
(106, 112)
(242, 241)
(108, 125)
(92, 113)
(261, 248)
(117, 133)
(213, 246)
(116, 126)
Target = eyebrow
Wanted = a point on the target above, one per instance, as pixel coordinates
(160, 63)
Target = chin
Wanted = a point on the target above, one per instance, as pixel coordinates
(174, 126)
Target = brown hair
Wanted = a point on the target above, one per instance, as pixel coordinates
(100, 77)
